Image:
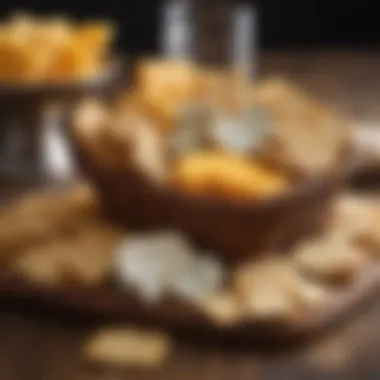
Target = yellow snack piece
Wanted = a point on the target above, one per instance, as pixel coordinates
(163, 86)
(20, 27)
(172, 78)
(221, 175)
(96, 34)
(52, 48)
(76, 59)
(15, 62)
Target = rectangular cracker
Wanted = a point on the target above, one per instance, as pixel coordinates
(306, 135)
(85, 258)
(121, 346)
(40, 217)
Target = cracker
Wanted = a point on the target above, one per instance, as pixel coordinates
(121, 138)
(40, 217)
(86, 258)
(265, 289)
(330, 259)
(223, 309)
(357, 218)
(144, 144)
(121, 347)
(90, 121)
(306, 136)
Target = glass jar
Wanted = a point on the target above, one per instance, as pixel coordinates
(220, 36)
(216, 33)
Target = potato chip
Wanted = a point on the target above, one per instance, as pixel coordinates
(121, 347)
(95, 37)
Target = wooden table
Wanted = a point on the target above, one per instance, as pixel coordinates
(44, 347)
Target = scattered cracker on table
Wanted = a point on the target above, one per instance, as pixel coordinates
(120, 347)
(358, 218)
(85, 258)
(273, 290)
(264, 288)
(39, 217)
(331, 260)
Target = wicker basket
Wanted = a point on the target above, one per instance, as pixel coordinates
(233, 230)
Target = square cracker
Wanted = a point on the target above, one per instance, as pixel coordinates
(306, 136)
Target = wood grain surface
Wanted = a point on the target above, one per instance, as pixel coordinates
(44, 346)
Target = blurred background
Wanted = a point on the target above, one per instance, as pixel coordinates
(331, 49)
(284, 23)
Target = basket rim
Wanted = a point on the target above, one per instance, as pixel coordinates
(106, 179)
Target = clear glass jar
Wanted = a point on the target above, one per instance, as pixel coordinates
(220, 36)
(216, 33)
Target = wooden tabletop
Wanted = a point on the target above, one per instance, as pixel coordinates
(39, 346)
